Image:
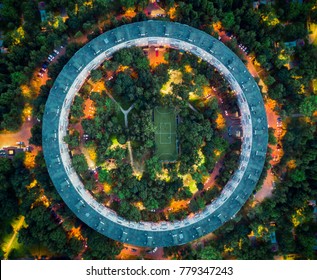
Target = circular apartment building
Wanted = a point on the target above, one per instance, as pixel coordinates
(236, 191)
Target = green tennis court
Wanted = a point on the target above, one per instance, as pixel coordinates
(165, 134)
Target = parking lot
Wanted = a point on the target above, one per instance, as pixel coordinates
(51, 58)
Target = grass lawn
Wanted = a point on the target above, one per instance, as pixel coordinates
(165, 134)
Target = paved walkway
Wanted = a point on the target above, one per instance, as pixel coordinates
(192, 107)
(125, 113)
(16, 229)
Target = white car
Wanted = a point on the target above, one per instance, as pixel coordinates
(152, 251)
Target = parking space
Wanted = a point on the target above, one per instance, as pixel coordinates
(52, 57)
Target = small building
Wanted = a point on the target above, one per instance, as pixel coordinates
(41, 7)
(266, 2)
(273, 240)
(291, 44)
(256, 4)
(235, 131)
(10, 152)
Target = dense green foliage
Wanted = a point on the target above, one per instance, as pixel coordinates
(48, 227)
(137, 86)
(264, 31)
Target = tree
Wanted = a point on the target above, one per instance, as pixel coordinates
(151, 204)
(8, 199)
(77, 107)
(73, 139)
(277, 92)
(19, 78)
(209, 253)
(104, 176)
(75, 246)
(36, 138)
(298, 176)
(42, 230)
(153, 167)
(96, 75)
(196, 204)
(308, 106)
(127, 3)
(306, 239)
(12, 120)
(272, 138)
(200, 186)
(100, 247)
(129, 211)
(228, 20)
(124, 57)
(80, 164)
(269, 80)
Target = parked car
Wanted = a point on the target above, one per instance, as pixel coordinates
(151, 251)
(45, 65)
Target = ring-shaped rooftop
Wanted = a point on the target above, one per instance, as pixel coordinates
(105, 220)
